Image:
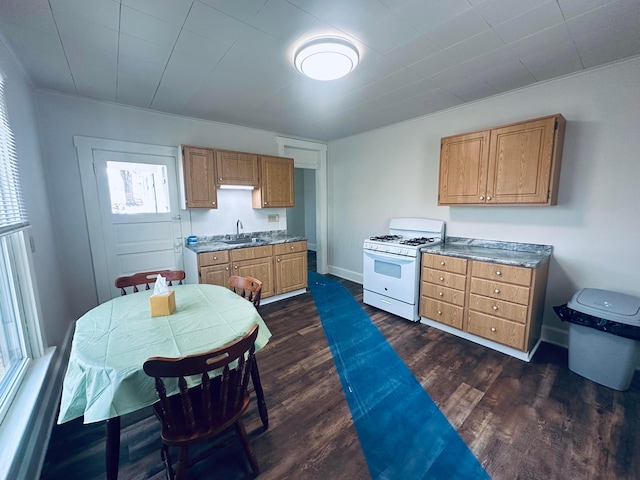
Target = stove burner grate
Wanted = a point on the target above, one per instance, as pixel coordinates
(386, 238)
(417, 241)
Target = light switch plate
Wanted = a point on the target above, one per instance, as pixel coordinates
(274, 218)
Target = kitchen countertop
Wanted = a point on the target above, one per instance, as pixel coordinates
(255, 239)
(528, 255)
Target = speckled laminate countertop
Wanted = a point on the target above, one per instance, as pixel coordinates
(528, 255)
(256, 239)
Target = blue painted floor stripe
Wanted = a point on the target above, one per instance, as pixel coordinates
(403, 434)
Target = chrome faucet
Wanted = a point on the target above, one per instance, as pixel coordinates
(238, 227)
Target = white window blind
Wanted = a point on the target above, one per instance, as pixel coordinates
(13, 215)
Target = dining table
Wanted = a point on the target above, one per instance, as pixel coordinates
(104, 378)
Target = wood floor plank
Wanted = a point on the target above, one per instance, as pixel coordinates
(536, 420)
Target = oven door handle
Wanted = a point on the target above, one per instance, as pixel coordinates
(390, 256)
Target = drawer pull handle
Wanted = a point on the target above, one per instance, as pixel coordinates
(495, 307)
(442, 279)
(498, 272)
(489, 197)
(497, 290)
(440, 293)
(441, 263)
(493, 329)
(439, 312)
(481, 197)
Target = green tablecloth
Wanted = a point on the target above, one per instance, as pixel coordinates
(104, 378)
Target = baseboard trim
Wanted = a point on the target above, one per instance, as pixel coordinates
(346, 274)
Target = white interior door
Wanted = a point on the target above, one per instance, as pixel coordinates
(138, 202)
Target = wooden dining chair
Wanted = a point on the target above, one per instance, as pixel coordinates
(247, 287)
(251, 289)
(147, 279)
(203, 412)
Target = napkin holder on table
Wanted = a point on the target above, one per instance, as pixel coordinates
(163, 300)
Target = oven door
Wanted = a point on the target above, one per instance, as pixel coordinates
(393, 276)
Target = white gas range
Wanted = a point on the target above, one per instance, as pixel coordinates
(391, 268)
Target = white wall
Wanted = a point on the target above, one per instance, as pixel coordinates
(595, 227)
(51, 286)
(62, 117)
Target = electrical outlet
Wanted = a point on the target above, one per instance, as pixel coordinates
(274, 218)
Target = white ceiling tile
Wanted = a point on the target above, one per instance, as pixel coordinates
(428, 17)
(141, 68)
(146, 27)
(459, 28)
(508, 76)
(135, 90)
(545, 16)
(197, 46)
(172, 11)
(243, 11)
(27, 14)
(388, 34)
(553, 62)
(211, 23)
(283, 20)
(353, 15)
(74, 30)
(471, 89)
(413, 51)
(542, 40)
(105, 13)
(499, 11)
(573, 8)
(597, 53)
(617, 16)
(475, 46)
(138, 48)
(433, 64)
(181, 80)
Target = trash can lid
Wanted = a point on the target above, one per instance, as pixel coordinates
(618, 307)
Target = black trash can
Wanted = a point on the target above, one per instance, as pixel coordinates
(604, 336)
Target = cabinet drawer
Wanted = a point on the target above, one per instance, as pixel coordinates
(213, 258)
(502, 273)
(443, 262)
(510, 311)
(251, 253)
(291, 247)
(445, 294)
(500, 291)
(439, 277)
(441, 312)
(501, 331)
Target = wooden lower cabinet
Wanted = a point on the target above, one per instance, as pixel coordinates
(281, 268)
(290, 266)
(501, 303)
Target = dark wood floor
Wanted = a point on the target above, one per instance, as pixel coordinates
(522, 420)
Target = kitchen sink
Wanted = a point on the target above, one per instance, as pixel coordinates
(241, 241)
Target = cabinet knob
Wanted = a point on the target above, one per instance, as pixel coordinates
(489, 198)
(442, 279)
(495, 307)
(213, 203)
(265, 203)
(493, 329)
(278, 260)
(498, 272)
(441, 263)
(227, 269)
(220, 179)
(292, 247)
(235, 266)
(215, 258)
(497, 290)
(439, 312)
(481, 197)
(440, 293)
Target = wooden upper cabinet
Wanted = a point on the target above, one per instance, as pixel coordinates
(463, 168)
(236, 168)
(276, 188)
(199, 177)
(517, 164)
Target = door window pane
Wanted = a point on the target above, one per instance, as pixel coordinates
(138, 188)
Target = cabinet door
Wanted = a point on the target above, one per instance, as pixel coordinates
(236, 168)
(463, 169)
(215, 275)
(291, 272)
(276, 183)
(260, 268)
(520, 161)
(199, 177)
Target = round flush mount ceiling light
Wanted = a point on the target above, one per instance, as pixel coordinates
(326, 58)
